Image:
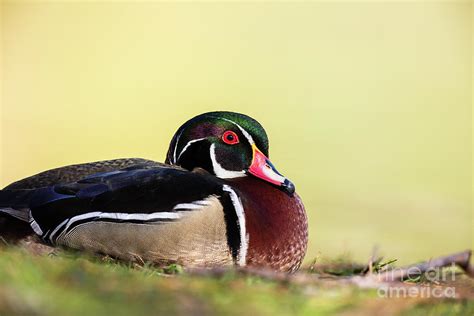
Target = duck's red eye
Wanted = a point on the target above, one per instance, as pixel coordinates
(230, 137)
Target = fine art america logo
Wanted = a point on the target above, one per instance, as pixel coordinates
(419, 284)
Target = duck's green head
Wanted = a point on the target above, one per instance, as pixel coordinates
(226, 144)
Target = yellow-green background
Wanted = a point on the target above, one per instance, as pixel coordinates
(367, 105)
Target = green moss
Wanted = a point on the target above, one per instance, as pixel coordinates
(69, 284)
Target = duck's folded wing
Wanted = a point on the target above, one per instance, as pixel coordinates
(76, 172)
(154, 213)
(136, 195)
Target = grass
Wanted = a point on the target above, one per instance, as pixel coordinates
(72, 284)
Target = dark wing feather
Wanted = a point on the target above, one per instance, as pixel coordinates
(78, 171)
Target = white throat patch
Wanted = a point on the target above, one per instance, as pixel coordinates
(219, 170)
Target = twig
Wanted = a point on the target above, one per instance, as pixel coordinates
(461, 259)
(373, 259)
(370, 280)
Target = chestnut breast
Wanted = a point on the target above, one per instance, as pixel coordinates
(276, 224)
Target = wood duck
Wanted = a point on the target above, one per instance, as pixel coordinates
(217, 200)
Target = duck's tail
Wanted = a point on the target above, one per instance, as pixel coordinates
(16, 203)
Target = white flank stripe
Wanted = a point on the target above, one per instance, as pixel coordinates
(56, 229)
(123, 216)
(187, 206)
(35, 226)
(203, 202)
(194, 205)
(244, 238)
(219, 171)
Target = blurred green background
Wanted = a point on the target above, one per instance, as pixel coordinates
(367, 105)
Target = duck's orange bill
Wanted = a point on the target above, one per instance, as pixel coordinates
(262, 168)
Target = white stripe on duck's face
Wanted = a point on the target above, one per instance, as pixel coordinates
(244, 132)
(186, 147)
